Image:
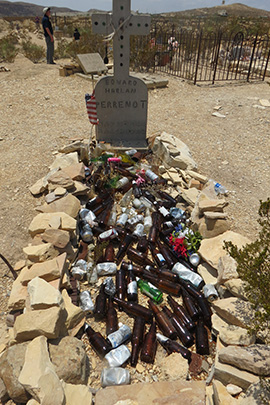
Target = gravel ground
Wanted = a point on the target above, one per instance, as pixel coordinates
(41, 111)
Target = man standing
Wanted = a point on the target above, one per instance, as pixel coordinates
(48, 33)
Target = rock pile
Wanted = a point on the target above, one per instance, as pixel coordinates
(43, 360)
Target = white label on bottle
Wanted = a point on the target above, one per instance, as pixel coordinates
(152, 286)
(110, 234)
(122, 219)
(148, 293)
(132, 287)
(161, 258)
(164, 211)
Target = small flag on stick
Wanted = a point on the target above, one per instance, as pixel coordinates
(91, 107)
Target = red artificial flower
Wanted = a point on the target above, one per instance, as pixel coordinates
(179, 246)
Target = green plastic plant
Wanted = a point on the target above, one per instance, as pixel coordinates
(253, 266)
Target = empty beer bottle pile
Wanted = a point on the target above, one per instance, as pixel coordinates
(138, 239)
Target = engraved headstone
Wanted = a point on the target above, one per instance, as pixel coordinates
(91, 63)
(121, 99)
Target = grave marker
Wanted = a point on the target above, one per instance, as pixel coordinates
(91, 63)
(121, 99)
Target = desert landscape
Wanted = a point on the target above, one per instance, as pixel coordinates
(42, 111)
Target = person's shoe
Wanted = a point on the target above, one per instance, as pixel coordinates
(52, 63)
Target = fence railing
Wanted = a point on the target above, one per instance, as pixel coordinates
(211, 57)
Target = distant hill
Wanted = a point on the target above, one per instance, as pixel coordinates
(236, 9)
(21, 9)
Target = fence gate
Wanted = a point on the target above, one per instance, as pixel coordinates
(212, 57)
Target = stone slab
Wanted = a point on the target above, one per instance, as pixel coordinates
(46, 322)
(234, 310)
(122, 111)
(91, 63)
(212, 249)
(163, 392)
(254, 358)
(231, 334)
(232, 375)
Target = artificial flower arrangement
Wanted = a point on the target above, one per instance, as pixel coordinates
(184, 241)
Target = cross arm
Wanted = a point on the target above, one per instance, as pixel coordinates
(101, 23)
(139, 24)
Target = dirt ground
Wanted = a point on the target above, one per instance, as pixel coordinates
(41, 111)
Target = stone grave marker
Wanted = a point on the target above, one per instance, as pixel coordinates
(91, 63)
(121, 99)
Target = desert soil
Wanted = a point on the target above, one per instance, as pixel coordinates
(41, 111)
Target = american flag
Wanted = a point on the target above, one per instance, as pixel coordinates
(91, 107)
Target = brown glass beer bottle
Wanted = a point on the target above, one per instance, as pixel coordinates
(149, 346)
(202, 344)
(97, 341)
(173, 347)
(100, 304)
(163, 321)
(182, 332)
(182, 314)
(111, 318)
(137, 340)
(135, 309)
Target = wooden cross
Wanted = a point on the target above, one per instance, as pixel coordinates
(121, 24)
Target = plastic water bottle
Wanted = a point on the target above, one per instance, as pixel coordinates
(219, 189)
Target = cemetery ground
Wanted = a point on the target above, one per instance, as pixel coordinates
(41, 112)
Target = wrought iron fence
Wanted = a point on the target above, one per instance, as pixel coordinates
(211, 57)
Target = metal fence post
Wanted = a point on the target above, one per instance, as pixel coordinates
(198, 57)
(217, 55)
(252, 57)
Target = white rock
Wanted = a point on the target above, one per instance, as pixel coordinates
(38, 375)
(226, 269)
(175, 367)
(45, 322)
(233, 389)
(221, 395)
(212, 249)
(51, 220)
(77, 394)
(65, 160)
(43, 295)
(236, 286)
(40, 253)
(231, 334)
(208, 273)
(234, 310)
(265, 102)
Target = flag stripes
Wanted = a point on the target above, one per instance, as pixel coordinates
(91, 107)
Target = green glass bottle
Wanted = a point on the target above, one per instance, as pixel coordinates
(150, 291)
